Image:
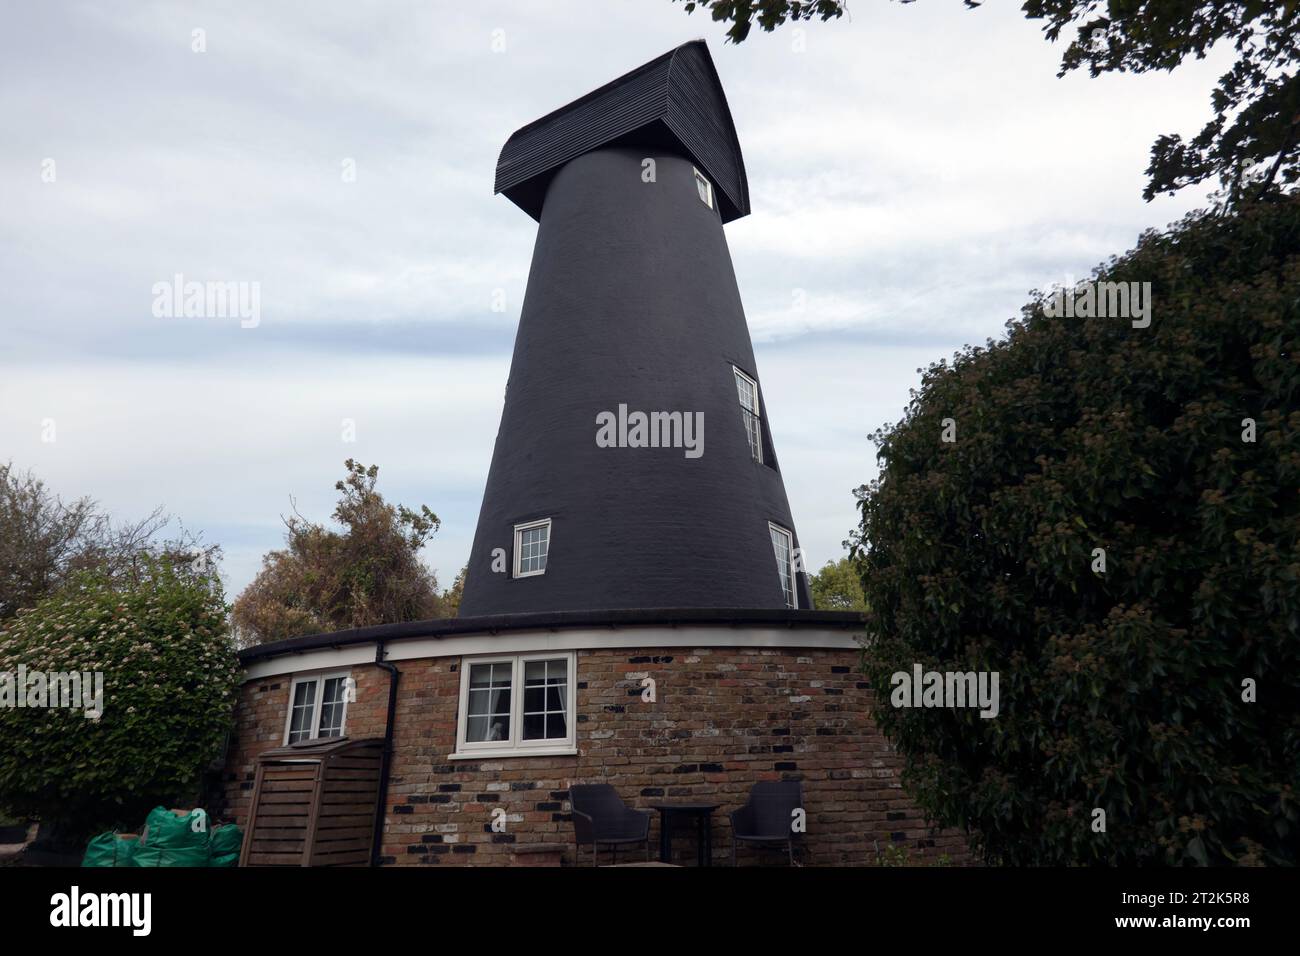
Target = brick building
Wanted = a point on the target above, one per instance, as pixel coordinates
(635, 610)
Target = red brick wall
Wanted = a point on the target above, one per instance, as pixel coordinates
(724, 718)
(260, 718)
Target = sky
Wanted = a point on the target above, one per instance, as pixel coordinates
(914, 170)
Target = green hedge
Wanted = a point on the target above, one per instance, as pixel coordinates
(1123, 690)
(170, 675)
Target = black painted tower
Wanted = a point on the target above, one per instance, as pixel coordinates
(632, 307)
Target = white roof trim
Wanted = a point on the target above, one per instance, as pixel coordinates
(575, 639)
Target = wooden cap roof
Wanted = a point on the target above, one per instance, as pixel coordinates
(675, 103)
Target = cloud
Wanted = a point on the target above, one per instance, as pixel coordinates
(913, 173)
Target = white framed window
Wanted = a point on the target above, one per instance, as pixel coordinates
(703, 187)
(532, 545)
(517, 705)
(783, 545)
(747, 389)
(317, 706)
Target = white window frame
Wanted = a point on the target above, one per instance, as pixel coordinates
(516, 746)
(755, 450)
(708, 187)
(319, 702)
(519, 546)
(793, 602)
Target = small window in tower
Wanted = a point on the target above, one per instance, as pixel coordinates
(532, 544)
(748, 390)
(783, 545)
(704, 187)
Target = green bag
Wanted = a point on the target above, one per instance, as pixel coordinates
(111, 849)
(174, 838)
(224, 845)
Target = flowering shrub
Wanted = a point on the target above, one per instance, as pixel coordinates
(169, 675)
(1113, 526)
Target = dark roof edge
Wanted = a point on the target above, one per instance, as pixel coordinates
(555, 620)
(741, 202)
(533, 153)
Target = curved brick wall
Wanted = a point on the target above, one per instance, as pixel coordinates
(725, 717)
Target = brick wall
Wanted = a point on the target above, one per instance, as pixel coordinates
(260, 718)
(724, 718)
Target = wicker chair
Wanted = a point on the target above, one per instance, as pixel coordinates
(601, 817)
(765, 820)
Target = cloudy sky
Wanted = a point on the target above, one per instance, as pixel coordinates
(914, 171)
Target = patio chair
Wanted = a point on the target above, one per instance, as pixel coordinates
(766, 819)
(601, 817)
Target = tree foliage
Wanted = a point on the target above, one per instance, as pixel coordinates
(1251, 144)
(838, 587)
(45, 542)
(768, 14)
(1121, 690)
(368, 573)
(451, 597)
(169, 678)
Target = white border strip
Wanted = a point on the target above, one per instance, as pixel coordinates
(575, 639)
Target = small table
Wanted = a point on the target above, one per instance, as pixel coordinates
(703, 829)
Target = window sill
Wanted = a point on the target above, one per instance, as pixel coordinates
(526, 752)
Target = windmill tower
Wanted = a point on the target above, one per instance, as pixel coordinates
(634, 467)
(633, 611)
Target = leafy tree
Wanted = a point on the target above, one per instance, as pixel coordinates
(45, 541)
(451, 597)
(368, 573)
(837, 587)
(769, 14)
(1252, 142)
(169, 677)
(1171, 453)
(40, 539)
